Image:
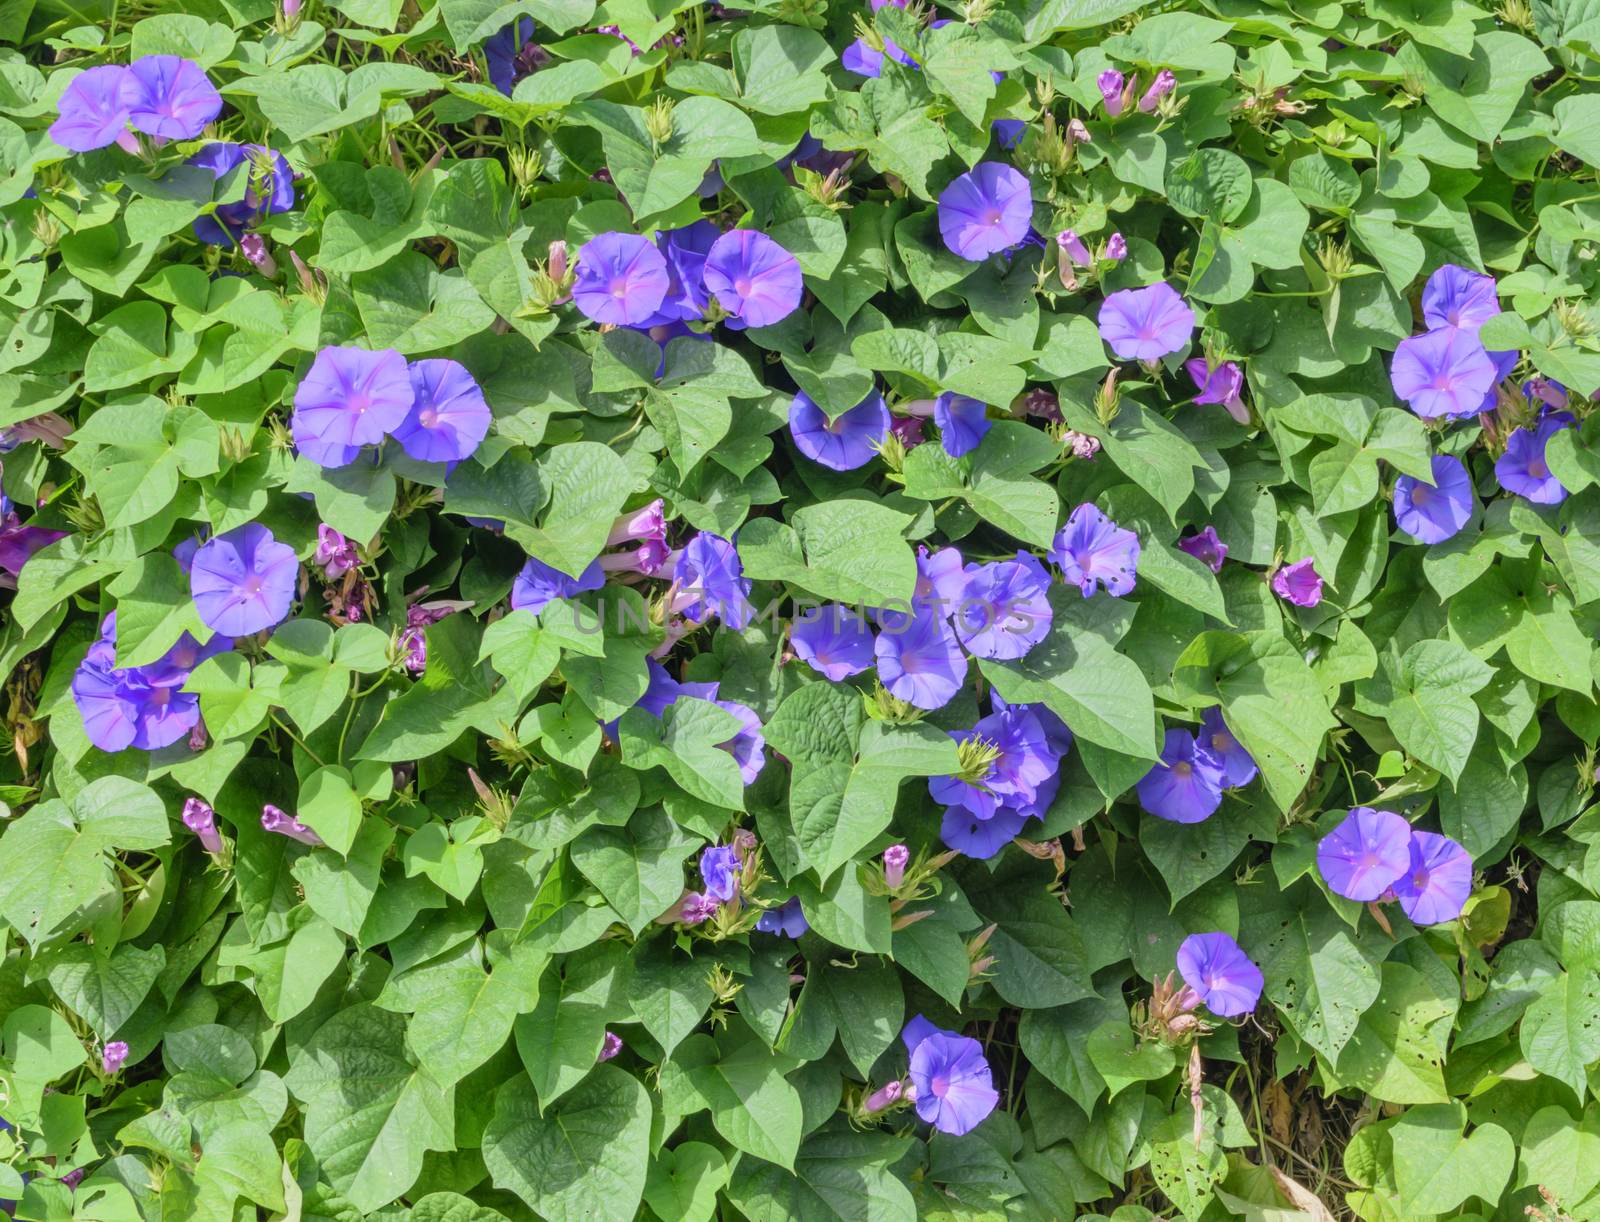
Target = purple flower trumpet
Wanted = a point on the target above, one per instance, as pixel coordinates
(281, 823)
(201, 819)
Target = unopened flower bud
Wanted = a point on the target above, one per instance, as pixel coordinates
(895, 858)
(885, 1097)
(200, 818)
(1164, 84)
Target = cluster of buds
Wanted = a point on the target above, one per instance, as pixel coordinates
(979, 961)
(1264, 106)
(552, 279)
(1108, 399)
(1169, 1015)
(881, 706)
(1056, 146)
(1574, 319)
(527, 167)
(658, 120)
(831, 190)
(313, 284)
(906, 882)
(1118, 93)
(1073, 253)
(496, 804)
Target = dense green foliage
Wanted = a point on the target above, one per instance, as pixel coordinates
(405, 1017)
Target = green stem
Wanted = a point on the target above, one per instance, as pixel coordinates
(298, 741)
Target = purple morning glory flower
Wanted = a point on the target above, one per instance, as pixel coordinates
(1146, 324)
(1026, 759)
(955, 1090)
(113, 1056)
(243, 581)
(121, 708)
(919, 659)
(270, 189)
(1437, 881)
(539, 584)
(1222, 384)
(351, 397)
(986, 210)
(710, 580)
(282, 823)
(1522, 468)
(610, 1045)
(1456, 297)
(720, 867)
(685, 252)
(1112, 86)
(1186, 786)
(866, 60)
(832, 640)
(1008, 131)
(1005, 609)
(1092, 549)
(1366, 854)
(981, 839)
(1434, 512)
(962, 422)
(622, 279)
(1237, 766)
(662, 691)
(753, 278)
(850, 441)
(449, 417)
(170, 97)
(1206, 548)
(787, 919)
(172, 669)
(1442, 373)
(749, 745)
(18, 544)
(1224, 977)
(1298, 583)
(941, 579)
(94, 110)
(511, 54)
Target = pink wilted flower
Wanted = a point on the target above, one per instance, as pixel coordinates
(335, 554)
(113, 1056)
